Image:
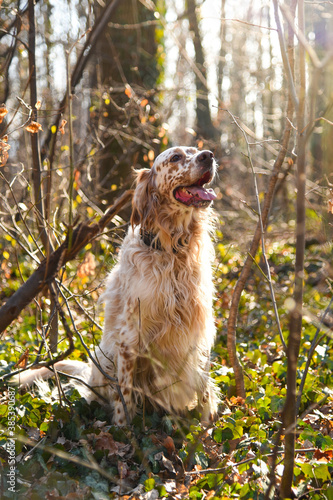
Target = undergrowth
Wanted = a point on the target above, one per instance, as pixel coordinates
(70, 449)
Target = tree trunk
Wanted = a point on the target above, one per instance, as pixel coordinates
(204, 125)
(126, 55)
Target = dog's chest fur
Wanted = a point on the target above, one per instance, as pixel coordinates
(168, 298)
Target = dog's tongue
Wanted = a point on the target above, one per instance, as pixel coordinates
(202, 193)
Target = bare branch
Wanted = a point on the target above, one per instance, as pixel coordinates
(48, 269)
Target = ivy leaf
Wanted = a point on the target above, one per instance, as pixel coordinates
(321, 472)
(149, 484)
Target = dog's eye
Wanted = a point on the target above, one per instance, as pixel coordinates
(175, 158)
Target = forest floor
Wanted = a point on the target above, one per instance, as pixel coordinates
(70, 450)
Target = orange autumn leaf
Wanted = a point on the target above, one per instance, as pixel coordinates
(3, 112)
(323, 456)
(33, 127)
(144, 103)
(237, 400)
(38, 105)
(4, 147)
(62, 127)
(77, 175)
(128, 91)
(22, 362)
(330, 206)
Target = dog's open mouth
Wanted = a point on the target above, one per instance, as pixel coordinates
(196, 195)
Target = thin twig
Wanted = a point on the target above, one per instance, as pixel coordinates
(285, 60)
(268, 276)
(303, 41)
(49, 268)
(114, 380)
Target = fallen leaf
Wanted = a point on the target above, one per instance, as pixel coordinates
(237, 400)
(169, 445)
(123, 469)
(323, 456)
(104, 441)
(165, 462)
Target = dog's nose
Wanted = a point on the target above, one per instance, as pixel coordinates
(205, 158)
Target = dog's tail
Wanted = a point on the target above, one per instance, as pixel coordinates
(71, 367)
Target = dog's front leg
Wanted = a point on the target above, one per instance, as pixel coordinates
(125, 370)
(207, 397)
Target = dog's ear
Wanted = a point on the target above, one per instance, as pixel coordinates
(141, 200)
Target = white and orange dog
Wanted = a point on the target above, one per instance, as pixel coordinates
(159, 327)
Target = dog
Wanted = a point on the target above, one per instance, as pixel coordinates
(159, 327)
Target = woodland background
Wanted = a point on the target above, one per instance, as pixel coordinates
(92, 89)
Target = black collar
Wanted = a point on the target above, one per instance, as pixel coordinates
(150, 239)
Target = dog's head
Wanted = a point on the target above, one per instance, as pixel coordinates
(176, 182)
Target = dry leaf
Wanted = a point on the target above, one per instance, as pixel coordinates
(323, 456)
(23, 361)
(33, 127)
(4, 147)
(144, 103)
(38, 105)
(330, 206)
(169, 445)
(77, 175)
(237, 400)
(3, 112)
(105, 441)
(128, 91)
(123, 469)
(62, 127)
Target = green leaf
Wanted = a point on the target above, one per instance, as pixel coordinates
(307, 470)
(329, 493)
(149, 484)
(321, 472)
(162, 491)
(201, 459)
(244, 490)
(3, 409)
(194, 493)
(237, 432)
(218, 435)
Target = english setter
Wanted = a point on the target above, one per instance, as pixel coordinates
(159, 326)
